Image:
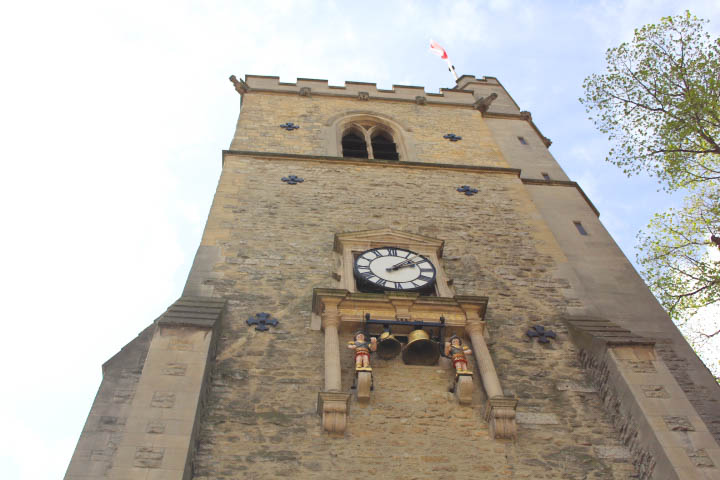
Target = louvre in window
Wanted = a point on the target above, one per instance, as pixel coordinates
(354, 146)
(384, 148)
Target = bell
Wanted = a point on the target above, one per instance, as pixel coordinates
(388, 346)
(420, 350)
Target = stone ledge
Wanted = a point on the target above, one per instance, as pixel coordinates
(561, 183)
(594, 329)
(201, 312)
(351, 308)
(358, 161)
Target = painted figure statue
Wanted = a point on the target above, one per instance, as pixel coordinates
(362, 349)
(457, 351)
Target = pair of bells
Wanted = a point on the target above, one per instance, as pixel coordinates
(420, 349)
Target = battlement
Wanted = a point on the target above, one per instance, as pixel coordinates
(467, 92)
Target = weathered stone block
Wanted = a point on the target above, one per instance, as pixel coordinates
(163, 400)
(654, 391)
(149, 457)
(700, 458)
(612, 452)
(533, 418)
(678, 423)
(155, 426)
(175, 368)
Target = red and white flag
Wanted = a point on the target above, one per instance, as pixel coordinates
(438, 50)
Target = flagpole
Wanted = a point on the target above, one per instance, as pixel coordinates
(451, 67)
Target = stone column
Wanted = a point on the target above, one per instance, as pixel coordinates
(500, 410)
(331, 321)
(332, 403)
(484, 360)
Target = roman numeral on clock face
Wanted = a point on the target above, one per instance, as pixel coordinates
(393, 252)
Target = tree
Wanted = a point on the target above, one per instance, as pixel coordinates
(659, 103)
(679, 265)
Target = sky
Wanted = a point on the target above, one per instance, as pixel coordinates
(114, 115)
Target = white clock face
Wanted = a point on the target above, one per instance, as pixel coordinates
(391, 268)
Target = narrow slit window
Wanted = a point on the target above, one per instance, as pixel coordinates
(580, 228)
(545, 175)
(522, 140)
(354, 146)
(384, 148)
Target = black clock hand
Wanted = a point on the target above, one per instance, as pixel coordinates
(406, 263)
(398, 265)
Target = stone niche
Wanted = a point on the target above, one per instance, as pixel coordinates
(339, 312)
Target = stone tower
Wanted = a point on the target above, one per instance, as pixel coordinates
(412, 217)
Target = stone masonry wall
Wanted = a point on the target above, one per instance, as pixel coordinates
(276, 241)
(259, 129)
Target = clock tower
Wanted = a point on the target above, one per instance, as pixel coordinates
(402, 284)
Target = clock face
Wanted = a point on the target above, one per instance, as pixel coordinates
(391, 268)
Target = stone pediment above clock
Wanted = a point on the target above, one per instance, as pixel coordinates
(367, 239)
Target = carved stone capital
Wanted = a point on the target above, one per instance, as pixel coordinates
(333, 408)
(473, 306)
(240, 86)
(475, 327)
(500, 415)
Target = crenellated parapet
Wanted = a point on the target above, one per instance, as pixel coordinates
(468, 91)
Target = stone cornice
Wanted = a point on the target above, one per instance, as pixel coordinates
(561, 183)
(365, 161)
(352, 308)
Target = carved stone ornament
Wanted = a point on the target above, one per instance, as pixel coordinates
(365, 96)
(542, 334)
(304, 92)
(547, 141)
(525, 115)
(261, 321)
(500, 415)
(483, 103)
(467, 190)
(333, 407)
(292, 179)
(420, 100)
(240, 86)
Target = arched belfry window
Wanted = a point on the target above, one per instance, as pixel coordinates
(383, 147)
(353, 145)
(368, 137)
